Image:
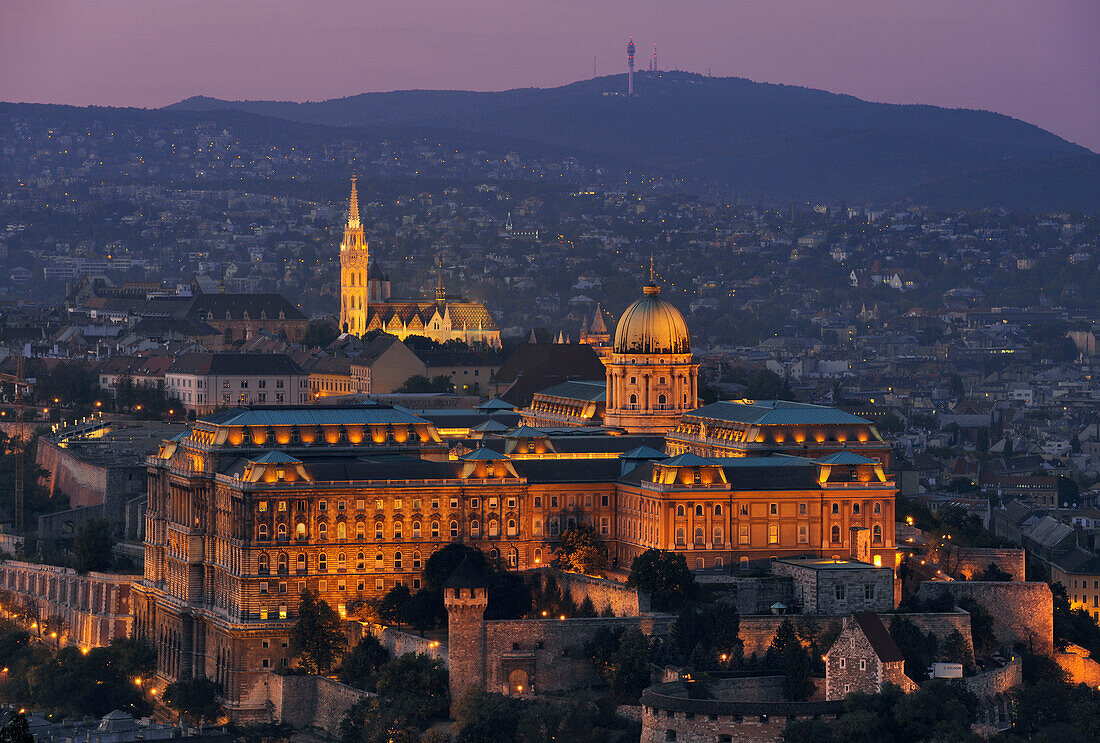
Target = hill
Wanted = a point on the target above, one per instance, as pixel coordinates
(770, 142)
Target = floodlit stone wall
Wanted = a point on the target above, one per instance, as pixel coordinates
(1023, 612)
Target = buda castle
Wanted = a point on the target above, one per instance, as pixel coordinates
(366, 304)
(249, 508)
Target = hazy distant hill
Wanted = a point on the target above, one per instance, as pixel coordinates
(768, 141)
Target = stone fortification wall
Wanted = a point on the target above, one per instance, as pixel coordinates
(401, 643)
(549, 652)
(757, 631)
(84, 482)
(312, 701)
(998, 681)
(96, 608)
(1080, 668)
(668, 714)
(1023, 612)
(973, 561)
(622, 599)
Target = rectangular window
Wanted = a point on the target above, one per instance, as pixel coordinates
(773, 534)
(263, 506)
(603, 501)
(839, 592)
(379, 584)
(743, 534)
(801, 509)
(282, 611)
(773, 509)
(263, 586)
(282, 586)
(803, 534)
(605, 527)
(869, 591)
(322, 586)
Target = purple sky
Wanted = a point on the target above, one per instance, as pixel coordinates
(1037, 60)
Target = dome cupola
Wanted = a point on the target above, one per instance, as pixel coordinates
(652, 325)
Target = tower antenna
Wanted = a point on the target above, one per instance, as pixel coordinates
(630, 66)
(21, 452)
(654, 57)
(594, 65)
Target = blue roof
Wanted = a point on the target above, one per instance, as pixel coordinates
(276, 457)
(644, 452)
(484, 454)
(526, 432)
(587, 391)
(496, 404)
(490, 426)
(775, 460)
(313, 416)
(688, 460)
(775, 412)
(845, 458)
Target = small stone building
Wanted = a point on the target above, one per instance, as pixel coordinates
(825, 586)
(863, 658)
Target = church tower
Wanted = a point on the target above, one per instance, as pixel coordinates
(652, 379)
(354, 271)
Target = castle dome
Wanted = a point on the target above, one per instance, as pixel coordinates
(652, 325)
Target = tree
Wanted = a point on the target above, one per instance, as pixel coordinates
(580, 550)
(422, 610)
(621, 659)
(92, 546)
(994, 573)
(442, 563)
(319, 334)
(481, 717)
(918, 649)
(317, 638)
(358, 668)
(194, 698)
(957, 650)
(784, 637)
(418, 683)
(391, 607)
(765, 385)
(664, 576)
(710, 634)
(981, 627)
(420, 384)
(16, 730)
(509, 596)
(797, 684)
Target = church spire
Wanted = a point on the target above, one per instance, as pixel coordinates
(353, 206)
(440, 292)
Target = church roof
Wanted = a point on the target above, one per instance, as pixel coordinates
(276, 457)
(483, 454)
(775, 412)
(257, 306)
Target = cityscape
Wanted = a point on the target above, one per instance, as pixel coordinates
(638, 404)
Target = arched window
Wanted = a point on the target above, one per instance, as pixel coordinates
(341, 531)
(475, 529)
(876, 534)
(322, 530)
(855, 508)
(661, 399)
(263, 532)
(360, 530)
(699, 537)
(397, 530)
(512, 529)
(416, 530)
(341, 561)
(699, 564)
(679, 510)
(836, 508)
(835, 535)
(322, 562)
(435, 530)
(717, 509)
(494, 528)
(454, 529)
(378, 530)
(283, 563)
(264, 564)
(513, 558)
(379, 561)
(877, 509)
(743, 563)
(633, 399)
(537, 527)
(416, 561)
(538, 556)
(300, 563)
(397, 561)
(360, 561)
(718, 562)
(281, 532)
(699, 509)
(718, 535)
(680, 538)
(300, 530)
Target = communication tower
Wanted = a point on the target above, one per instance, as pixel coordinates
(630, 66)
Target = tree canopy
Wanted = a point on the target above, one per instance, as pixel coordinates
(92, 546)
(317, 637)
(664, 576)
(580, 550)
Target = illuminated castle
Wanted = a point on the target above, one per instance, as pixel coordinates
(366, 304)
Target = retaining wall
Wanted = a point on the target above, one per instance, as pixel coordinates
(623, 600)
(1023, 612)
(312, 701)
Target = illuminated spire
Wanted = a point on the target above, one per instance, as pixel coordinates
(440, 292)
(353, 207)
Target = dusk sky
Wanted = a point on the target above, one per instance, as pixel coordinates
(1038, 60)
